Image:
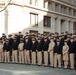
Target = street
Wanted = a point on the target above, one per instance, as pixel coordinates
(18, 69)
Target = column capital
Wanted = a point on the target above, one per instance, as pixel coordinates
(53, 16)
(67, 20)
(59, 18)
(72, 21)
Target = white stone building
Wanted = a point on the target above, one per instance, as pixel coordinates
(38, 16)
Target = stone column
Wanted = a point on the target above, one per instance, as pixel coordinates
(62, 9)
(67, 10)
(40, 23)
(72, 12)
(6, 19)
(41, 3)
(53, 24)
(58, 25)
(33, 2)
(53, 6)
(71, 27)
(46, 5)
(67, 25)
(59, 6)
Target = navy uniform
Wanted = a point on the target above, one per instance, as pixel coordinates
(62, 40)
(39, 51)
(14, 51)
(27, 48)
(57, 54)
(72, 53)
(68, 41)
(10, 42)
(6, 49)
(33, 48)
(21, 52)
(45, 50)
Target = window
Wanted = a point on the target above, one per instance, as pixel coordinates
(30, 1)
(33, 19)
(69, 11)
(49, 5)
(34, 2)
(56, 8)
(47, 21)
(61, 9)
(74, 13)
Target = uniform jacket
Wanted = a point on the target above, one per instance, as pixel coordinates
(39, 46)
(10, 41)
(62, 42)
(58, 49)
(20, 46)
(27, 45)
(15, 45)
(6, 47)
(72, 47)
(34, 46)
(45, 46)
(51, 46)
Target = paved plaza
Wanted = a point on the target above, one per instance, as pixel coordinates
(17, 69)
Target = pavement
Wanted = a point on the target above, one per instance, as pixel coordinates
(18, 69)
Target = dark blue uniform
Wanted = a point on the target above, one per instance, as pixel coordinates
(15, 45)
(45, 46)
(58, 49)
(39, 46)
(27, 45)
(34, 47)
(6, 47)
(72, 47)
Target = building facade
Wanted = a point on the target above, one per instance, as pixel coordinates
(38, 16)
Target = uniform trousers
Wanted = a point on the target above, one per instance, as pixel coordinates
(27, 56)
(72, 60)
(46, 58)
(39, 57)
(7, 56)
(1, 56)
(21, 56)
(14, 56)
(51, 58)
(34, 58)
(57, 59)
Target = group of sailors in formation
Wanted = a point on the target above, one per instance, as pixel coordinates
(39, 49)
